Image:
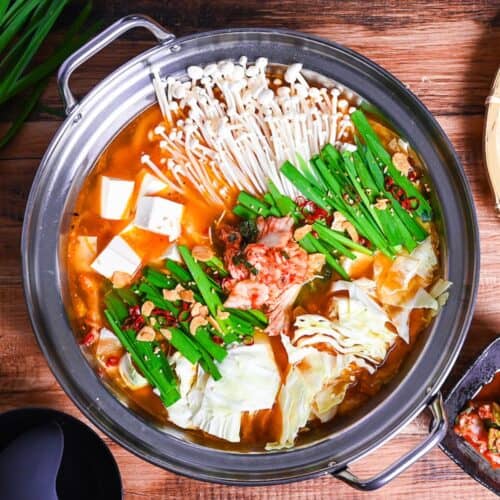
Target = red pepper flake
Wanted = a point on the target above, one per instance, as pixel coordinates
(311, 211)
(363, 241)
(218, 340)
(134, 311)
(310, 207)
(169, 318)
(389, 182)
(413, 175)
(301, 201)
(248, 340)
(410, 204)
(89, 339)
(319, 213)
(135, 321)
(112, 361)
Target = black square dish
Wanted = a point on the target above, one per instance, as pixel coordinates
(479, 374)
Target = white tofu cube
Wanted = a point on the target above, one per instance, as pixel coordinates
(172, 253)
(117, 256)
(150, 184)
(159, 215)
(115, 197)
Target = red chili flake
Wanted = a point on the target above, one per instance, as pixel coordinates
(134, 311)
(218, 340)
(389, 182)
(301, 201)
(410, 204)
(399, 193)
(310, 207)
(413, 175)
(248, 340)
(112, 361)
(167, 315)
(319, 213)
(363, 241)
(314, 233)
(186, 306)
(135, 321)
(89, 339)
(312, 212)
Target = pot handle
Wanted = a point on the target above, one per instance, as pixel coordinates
(436, 434)
(98, 43)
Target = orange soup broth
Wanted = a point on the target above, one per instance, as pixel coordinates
(121, 159)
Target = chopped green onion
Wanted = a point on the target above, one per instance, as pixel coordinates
(244, 212)
(215, 350)
(217, 265)
(178, 272)
(127, 296)
(184, 344)
(149, 359)
(155, 296)
(310, 191)
(204, 285)
(322, 229)
(116, 305)
(373, 142)
(253, 203)
(157, 278)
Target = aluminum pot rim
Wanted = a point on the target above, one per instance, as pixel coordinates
(62, 376)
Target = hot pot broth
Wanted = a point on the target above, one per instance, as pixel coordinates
(299, 302)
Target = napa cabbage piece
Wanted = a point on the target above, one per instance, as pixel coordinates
(358, 338)
(223, 425)
(401, 319)
(440, 292)
(314, 387)
(310, 371)
(295, 401)
(192, 380)
(398, 284)
(250, 382)
(360, 327)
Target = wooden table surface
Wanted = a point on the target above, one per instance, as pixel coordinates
(446, 52)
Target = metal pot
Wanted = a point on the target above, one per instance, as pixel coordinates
(94, 121)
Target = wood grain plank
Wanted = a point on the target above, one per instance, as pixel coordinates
(451, 74)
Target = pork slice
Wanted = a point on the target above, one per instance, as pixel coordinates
(280, 314)
(275, 232)
(248, 294)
